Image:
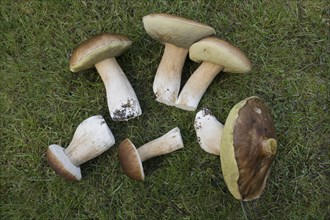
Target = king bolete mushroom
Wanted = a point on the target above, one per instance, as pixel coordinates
(247, 146)
(178, 34)
(91, 138)
(216, 55)
(131, 158)
(101, 51)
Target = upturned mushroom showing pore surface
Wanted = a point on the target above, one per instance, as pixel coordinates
(101, 51)
(247, 149)
(216, 55)
(91, 138)
(131, 158)
(177, 34)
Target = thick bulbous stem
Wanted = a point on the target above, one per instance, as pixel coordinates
(91, 138)
(208, 131)
(122, 101)
(196, 86)
(167, 80)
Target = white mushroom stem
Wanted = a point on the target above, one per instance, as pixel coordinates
(196, 86)
(91, 138)
(208, 131)
(167, 80)
(169, 142)
(122, 101)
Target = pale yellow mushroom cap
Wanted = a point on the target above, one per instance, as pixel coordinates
(220, 52)
(176, 30)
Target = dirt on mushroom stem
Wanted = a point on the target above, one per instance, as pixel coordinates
(126, 112)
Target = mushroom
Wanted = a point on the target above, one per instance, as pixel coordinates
(178, 34)
(216, 55)
(208, 131)
(131, 158)
(91, 138)
(101, 51)
(247, 146)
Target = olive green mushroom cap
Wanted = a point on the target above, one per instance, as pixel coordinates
(220, 52)
(98, 48)
(130, 160)
(248, 148)
(179, 31)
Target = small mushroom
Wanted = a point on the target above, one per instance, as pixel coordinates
(246, 144)
(101, 51)
(91, 138)
(208, 130)
(216, 55)
(131, 158)
(178, 34)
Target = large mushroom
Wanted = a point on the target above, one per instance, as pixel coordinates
(131, 158)
(216, 55)
(101, 51)
(178, 34)
(91, 138)
(247, 146)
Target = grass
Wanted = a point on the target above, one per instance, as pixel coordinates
(42, 102)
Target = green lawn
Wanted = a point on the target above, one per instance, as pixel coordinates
(42, 102)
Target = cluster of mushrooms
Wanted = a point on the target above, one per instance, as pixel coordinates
(246, 143)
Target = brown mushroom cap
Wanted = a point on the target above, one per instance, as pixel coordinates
(248, 148)
(61, 164)
(98, 48)
(220, 52)
(130, 160)
(176, 30)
